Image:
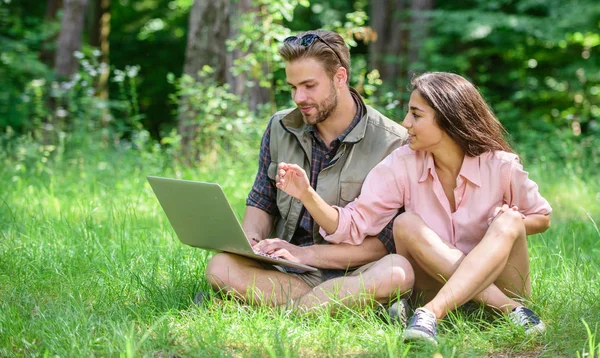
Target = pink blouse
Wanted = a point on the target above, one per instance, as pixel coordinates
(408, 178)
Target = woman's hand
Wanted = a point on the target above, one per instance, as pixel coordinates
(292, 180)
(499, 210)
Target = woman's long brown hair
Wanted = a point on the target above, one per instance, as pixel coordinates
(462, 112)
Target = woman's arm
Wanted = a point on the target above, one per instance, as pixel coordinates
(524, 194)
(381, 196)
(536, 223)
(293, 180)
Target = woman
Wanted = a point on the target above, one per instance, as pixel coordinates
(469, 206)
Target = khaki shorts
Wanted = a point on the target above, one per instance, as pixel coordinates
(315, 278)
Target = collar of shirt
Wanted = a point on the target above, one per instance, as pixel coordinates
(469, 170)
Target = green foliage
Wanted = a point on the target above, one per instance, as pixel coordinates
(150, 34)
(593, 348)
(222, 123)
(55, 108)
(536, 65)
(21, 37)
(535, 62)
(260, 34)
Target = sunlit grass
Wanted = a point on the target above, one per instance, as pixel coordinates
(89, 266)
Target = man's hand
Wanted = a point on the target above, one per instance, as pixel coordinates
(283, 249)
(292, 180)
(253, 241)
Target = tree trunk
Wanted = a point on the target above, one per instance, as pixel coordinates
(47, 51)
(99, 34)
(207, 33)
(419, 27)
(69, 39)
(387, 53)
(244, 85)
(379, 19)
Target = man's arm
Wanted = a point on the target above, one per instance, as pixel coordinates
(333, 256)
(343, 256)
(257, 224)
(261, 207)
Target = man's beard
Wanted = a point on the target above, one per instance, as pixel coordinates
(324, 109)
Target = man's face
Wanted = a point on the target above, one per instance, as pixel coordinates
(312, 90)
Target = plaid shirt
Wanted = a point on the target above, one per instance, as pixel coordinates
(264, 193)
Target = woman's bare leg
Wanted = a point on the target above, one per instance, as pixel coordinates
(476, 273)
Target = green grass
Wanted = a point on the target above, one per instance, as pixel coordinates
(89, 266)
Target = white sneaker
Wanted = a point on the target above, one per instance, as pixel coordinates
(422, 327)
(525, 318)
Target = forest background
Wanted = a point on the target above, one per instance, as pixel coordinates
(97, 94)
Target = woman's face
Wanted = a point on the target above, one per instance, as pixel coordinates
(425, 134)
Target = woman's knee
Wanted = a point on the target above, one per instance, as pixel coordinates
(406, 226)
(406, 221)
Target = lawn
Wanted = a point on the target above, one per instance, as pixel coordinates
(89, 266)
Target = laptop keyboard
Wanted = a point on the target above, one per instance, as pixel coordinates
(267, 255)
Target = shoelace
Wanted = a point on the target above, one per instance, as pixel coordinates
(522, 318)
(424, 319)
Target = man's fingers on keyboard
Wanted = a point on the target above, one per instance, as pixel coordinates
(271, 245)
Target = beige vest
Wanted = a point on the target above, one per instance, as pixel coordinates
(373, 138)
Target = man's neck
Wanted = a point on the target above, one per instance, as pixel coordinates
(340, 119)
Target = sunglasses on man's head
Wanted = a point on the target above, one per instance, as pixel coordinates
(307, 40)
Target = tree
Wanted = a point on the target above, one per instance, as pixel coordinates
(208, 30)
(402, 28)
(243, 83)
(99, 35)
(419, 27)
(387, 53)
(47, 51)
(69, 39)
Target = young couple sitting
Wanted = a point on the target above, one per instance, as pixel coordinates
(438, 207)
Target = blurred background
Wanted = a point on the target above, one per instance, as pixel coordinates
(198, 79)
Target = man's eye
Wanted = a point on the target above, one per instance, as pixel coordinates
(310, 86)
(415, 115)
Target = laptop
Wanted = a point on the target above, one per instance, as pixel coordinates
(202, 217)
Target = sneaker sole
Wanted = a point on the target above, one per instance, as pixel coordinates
(398, 312)
(418, 336)
(539, 328)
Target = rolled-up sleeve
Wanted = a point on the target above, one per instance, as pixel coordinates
(382, 195)
(263, 192)
(524, 192)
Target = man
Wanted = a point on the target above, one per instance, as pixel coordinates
(338, 139)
